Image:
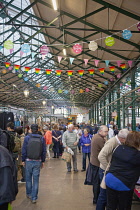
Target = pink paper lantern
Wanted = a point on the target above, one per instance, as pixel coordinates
(118, 76)
(72, 92)
(77, 48)
(45, 88)
(111, 79)
(87, 90)
(138, 26)
(121, 84)
(44, 50)
(138, 90)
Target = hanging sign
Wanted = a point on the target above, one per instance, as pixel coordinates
(26, 69)
(7, 64)
(112, 68)
(77, 48)
(109, 41)
(37, 70)
(38, 85)
(25, 48)
(91, 71)
(102, 70)
(66, 91)
(80, 72)
(72, 92)
(44, 50)
(69, 72)
(48, 72)
(8, 44)
(58, 73)
(126, 34)
(138, 26)
(52, 89)
(93, 46)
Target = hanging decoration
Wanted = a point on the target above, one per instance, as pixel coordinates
(118, 63)
(86, 61)
(7, 65)
(10, 68)
(60, 91)
(59, 58)
(21, 53)
(91, 71)
(71, 60)
(48, 72)
(9, 45)
(129, 82)
(138, 26)
(32, 55)
(81, 72)
(102, 70)
(44, 51)
(123, 66)
(93, 87)
(38, 85)
(58, 73)
(66, 91)
(26, 69)
(25, 79)
(52, 89)
(45, 88)
(112, 69)
(96, 62)
(25, 48)
(37, 70)
(93, 46)
(4, 71)
(81, 91)
(106, 82)
(111, 79)
(118, 75)
(16, 67)
(77, 48)
(69, 72)
(99, 85)
(72, 92)
(20, 75)
(130, 63)
(1, 47)
(107, 62)
(126, 34)
(87, 90)
(109, 41)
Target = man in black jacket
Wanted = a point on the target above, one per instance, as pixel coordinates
(8, 181)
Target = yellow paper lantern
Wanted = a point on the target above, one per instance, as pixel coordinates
(81, 90)
(4, 71)
(38, 85)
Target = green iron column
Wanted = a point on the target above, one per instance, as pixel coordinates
(118, 108)
(123, 111)
(97, 111)
(109, 108)
(93, 115)
(104, 112)
(89, 114)
(133, 124)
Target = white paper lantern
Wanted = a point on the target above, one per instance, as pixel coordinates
(93, 46)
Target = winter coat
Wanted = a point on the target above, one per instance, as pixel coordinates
(86, 140)
(48, 137)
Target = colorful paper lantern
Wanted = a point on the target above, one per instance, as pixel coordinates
(87, 90)
(109, 41)
(7, 64)
(69, 72)
(37, 70)
(72, 92)
(38, 85)
(106, 82)
(138, 26)
(10, 68)
(20, 75)
(102, 70)
(99, 85)
(80, 72)
(58, 73)
(48, 72)
(16, 67)
(126, 34)
(26, 69)
(66, 91)
(52, 89)
(44, 50)
(118, 76)
(123, 66)
(111, 79)
(112, 69)
(129, 82)
(8, 45)
(25, 48)
(25, 79)
(81, 91)
(4, 71)
(77, 48)
(45, 88)
(93, 46)
(93, 87)
(91, 72)
(60, 91)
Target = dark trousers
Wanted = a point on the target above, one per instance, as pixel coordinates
(56, 149)
(96, 183)
(102, 198)
(84, 159)
(4, 206)
(121, 200)
(23, 173)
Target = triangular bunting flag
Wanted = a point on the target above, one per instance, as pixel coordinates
(81, 72)
(26, 69)
(70, 72)
(102, 70)
(16, 67)
(123, 66)
(37, 70)
(59, 58)
(130, 63)
(107, 62)
(118, 63)
(96, 62)
(86, 61)
(112, 68)
(71, 60)
(7, 64)
(48, 72)
(91, 72)
(58, 73)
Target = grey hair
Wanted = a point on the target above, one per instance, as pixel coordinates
(123, 133)
(101, 127)
(70, 125)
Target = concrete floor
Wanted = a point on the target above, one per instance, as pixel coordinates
(59, 190)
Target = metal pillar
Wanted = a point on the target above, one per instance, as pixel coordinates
(97, 112)
(109, 108)
(123, 111)
(118, 108)
(104, 112)
(133, 122)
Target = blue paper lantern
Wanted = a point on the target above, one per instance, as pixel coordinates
(66, 91)
(25, 48)
(126, 34)
(25, 79)
(106, 82)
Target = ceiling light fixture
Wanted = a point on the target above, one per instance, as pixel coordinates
(54, 4)
(26, 93)
(64, 51)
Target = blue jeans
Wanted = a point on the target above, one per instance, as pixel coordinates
(84, 159)
(102, 199)
(32, 178)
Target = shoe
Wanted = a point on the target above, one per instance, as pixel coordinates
(75, 171)
(28, 196)
(69, 170)
(57, 157)
(54, 157)
(82, 170)
(34, 201)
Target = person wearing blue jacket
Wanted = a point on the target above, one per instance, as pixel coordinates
(33, 158)
(85, 142)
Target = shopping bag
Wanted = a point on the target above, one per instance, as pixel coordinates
(103, 184)
(9, 206)
(66, 157)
